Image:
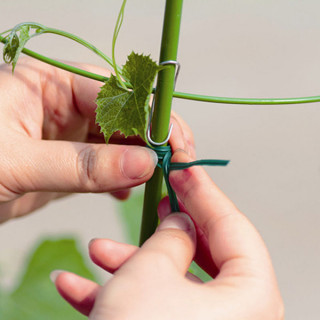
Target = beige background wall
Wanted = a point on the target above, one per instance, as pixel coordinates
(238, 48)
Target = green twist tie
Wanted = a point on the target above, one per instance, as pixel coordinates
(164, 155)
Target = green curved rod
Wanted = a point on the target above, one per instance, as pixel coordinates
(249, 101)
(180, 95)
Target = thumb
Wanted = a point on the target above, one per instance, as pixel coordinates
(64, 166)
(169, 250)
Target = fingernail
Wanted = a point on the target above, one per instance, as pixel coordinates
(54, 275)
(92, 241)
(180, 221)
(137, 162)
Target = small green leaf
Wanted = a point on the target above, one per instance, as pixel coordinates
(15, 44)
(17, 39)
(127, 110)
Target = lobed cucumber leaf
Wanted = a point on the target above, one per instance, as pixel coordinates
(124, 110)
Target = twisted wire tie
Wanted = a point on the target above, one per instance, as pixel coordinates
(164, 155)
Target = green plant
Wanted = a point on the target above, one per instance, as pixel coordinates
(127, 93)
(35, 297)
(311, 99)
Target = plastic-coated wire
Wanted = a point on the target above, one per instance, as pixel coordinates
(152, 142)
(164, 155)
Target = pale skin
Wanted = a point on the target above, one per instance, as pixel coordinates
(50, 147)
(152, 282)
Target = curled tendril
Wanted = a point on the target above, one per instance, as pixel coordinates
(10, 48)
(17, 38)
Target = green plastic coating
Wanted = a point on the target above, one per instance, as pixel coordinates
(164, 156)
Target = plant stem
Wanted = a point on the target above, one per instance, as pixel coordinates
(114, 40)
(250, 101)
(179, 95)
(162, 110)
(61, 65)
(80, 41)
(41, 29)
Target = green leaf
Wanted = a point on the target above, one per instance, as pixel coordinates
(123, 110)
(17, 39)
(36, 298)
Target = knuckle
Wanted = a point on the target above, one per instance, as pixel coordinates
(166, 257)
(161, 260)
(180, 238)
(11, 186)
(87, 167)
(7, 194)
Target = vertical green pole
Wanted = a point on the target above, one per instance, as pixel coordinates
(162, 111)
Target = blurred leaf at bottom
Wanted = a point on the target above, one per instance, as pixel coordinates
(36, 297)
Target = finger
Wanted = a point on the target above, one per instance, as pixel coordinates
(177, 138)
(187, 132)
(168, 252)
(78, 167)
(52, 93)
(235, 245)
(194, 184)
(110, 255)
(79, 292)
(121, 194)
(25, 204)
(85, 90)
(203, 255)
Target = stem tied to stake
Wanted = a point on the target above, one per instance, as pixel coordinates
(15, 39)
(162, 111)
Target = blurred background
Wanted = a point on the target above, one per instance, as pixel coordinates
(234, 48)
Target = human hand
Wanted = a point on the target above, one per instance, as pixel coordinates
(151, 283)
(50, 144)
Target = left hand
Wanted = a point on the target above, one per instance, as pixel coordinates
(51, 146)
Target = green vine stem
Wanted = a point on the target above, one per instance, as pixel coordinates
(61, 65)
(162, 111)
(114, 40)
(247, 101)
(180, 95)
(41, 29)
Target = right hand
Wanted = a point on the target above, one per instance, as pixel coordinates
(150, 283)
